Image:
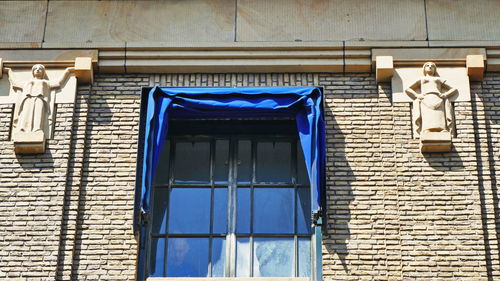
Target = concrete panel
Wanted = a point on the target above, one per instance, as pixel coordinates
(285, 20)
(463, 19)
(22, 21)
(134, 21)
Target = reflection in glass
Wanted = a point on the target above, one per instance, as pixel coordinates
(273, 210)
(303, 210)
(157, 257)
(302, 177)
(160, 210)
(187, 257)
(220, 210)
(243, 210)
(192, 162)
(244, 161)
(221, 161)
(273, 162)
(243, 257)
(189, 210)
(162, 171)
(304, 257)
(218, 257)
(273, 257)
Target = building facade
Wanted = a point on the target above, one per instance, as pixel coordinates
(404, 198)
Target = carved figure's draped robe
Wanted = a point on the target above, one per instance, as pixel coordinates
(433, 112)
(31, 112)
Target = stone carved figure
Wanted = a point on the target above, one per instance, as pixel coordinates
(34, 106)
(432, 110)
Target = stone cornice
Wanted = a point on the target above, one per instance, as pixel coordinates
(192, 57)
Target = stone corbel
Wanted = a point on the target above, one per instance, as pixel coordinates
(431, 80)
(34, 92)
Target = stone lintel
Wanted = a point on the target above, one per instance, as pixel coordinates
(410, 57)
(49, 58)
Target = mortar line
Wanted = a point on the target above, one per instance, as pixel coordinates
(45, 23)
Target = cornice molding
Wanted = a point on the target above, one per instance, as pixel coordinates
(331, 56)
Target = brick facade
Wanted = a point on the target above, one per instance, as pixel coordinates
(393, 213)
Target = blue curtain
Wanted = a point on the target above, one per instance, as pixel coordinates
(302, 103)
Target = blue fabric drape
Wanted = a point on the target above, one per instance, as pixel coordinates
(303, 103)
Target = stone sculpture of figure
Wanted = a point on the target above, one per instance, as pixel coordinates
(432, 108)
(32, 111)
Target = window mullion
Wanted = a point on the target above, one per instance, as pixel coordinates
(231, 236)
(212, 206)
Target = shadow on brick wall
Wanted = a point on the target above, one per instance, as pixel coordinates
(450, 161)
(36, 162)
(339, 196)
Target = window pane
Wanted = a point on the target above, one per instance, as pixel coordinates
(273, 257)
(302, 177)
(273, 210)
(162, 171)
(192, 162)
(244, 161)
(221, 161)
(243, 257)
(189, 210)
(273, 162)
(303, 210)
(304, 257)
(160, 210)
(218, 257)
(157, 257)
(187, 257)
(243, 210)
(220, 210)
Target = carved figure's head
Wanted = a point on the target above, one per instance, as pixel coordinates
(38, 71)
(429, 68)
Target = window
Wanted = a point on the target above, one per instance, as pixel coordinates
(230, 205)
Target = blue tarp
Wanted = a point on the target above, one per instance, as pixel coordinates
(302, 103)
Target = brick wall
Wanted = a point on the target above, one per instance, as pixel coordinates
(394, 214)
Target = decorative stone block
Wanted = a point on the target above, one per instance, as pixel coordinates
(384, 68)
(475, 67)
(435, 141)
(83, 69)
(29, 142)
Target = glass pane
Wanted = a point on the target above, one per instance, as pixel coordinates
(244, 161)
(189, 210)
(274, 162)
(221, 161)
(273, 257)
(157, 257)
(162, 171)
(160, 210)
(243, 210)
(302, 177)
(220, 210)
(243, 257)
(218, 257)
(187, 257)
(304, 210)
(192, 162)
(304, 257)
(273, 210)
